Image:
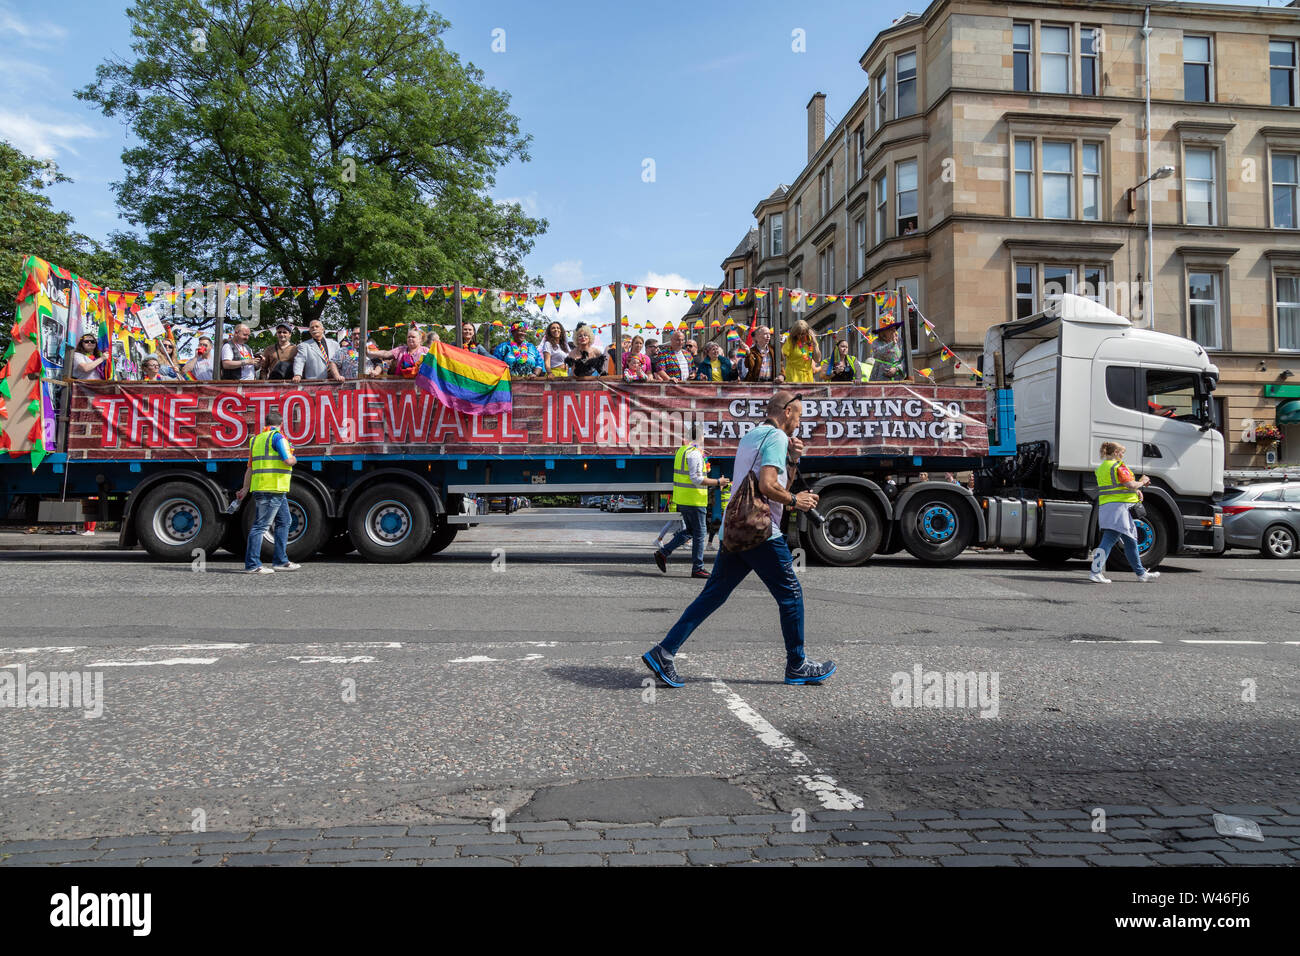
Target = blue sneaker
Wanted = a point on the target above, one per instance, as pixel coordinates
(809, 672)
(662, 665)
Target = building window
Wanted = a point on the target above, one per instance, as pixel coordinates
(778, 234)
(1091, 181)
(860, 238)
(1026, 291)
(906, 200)
(1200, 187)
(798, 219)
(1054, 66)
(882, 99)
(1198, 69)
(1022, 52)
(1094, 285)
(1203, 308)
(1057, 280)
(1282, 72)
(1285, 169)
(905, 84)
(827, 189)
(1058, 180)
(826, 270)
(860, 140)
(911, 288)
(882, 202)
(1088, 74)
(738, 278)
(1024, 170)
(1288, 312)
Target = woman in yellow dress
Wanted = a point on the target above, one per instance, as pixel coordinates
(800, 353)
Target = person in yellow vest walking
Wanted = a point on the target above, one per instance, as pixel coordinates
(691, 484)
(1117, 492)
(270, 467)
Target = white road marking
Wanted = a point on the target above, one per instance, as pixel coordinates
(194, 647)
(37, 650)
(1084, 640)
(822, 785)
(481, 659)
(168, 662)
(380, 645)
(322, 659)
(1186, 641)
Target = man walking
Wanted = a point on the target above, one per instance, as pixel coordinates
(766, 452)
(691, 484)
(270, 466)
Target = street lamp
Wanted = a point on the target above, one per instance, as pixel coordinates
(1164, 172)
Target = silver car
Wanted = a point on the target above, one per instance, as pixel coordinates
(1264, 516)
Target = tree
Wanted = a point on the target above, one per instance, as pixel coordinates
(313, 142)
(30, 225)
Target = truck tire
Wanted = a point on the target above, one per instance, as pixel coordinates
(309, 528)
(851, 532)
(936, 526)
(177, 518)
(1279, 542)
(1052, 557)
(389, 523)
(1153, 543)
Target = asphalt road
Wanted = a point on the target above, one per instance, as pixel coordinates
(505, 671)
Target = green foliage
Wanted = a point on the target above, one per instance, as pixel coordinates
(312, 142)
(553, 501)
(30, 225)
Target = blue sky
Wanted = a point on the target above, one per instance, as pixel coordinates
(712, 92)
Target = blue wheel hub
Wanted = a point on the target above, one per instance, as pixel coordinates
(390, 523)
(938, 523)
(1146, 535)
(182, 522)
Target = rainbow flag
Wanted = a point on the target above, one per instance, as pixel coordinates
(464, 380)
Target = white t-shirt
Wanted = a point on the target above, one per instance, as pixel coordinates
(228, 355)
(553, 355)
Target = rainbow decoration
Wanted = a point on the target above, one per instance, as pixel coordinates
(470, 383)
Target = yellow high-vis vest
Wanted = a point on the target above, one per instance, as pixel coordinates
(1109, 487)
(270, 472)
(684, 491)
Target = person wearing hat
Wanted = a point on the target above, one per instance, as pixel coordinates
(277, 360)
(520, 354)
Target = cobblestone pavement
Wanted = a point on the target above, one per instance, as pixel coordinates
(1134, 836)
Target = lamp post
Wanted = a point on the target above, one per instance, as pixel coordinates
(1164, 172)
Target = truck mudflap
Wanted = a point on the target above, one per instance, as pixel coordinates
(1202, 534)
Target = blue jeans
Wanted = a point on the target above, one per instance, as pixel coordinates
(269, 506)
(771, 562)
(694, 516)
(1108, 539)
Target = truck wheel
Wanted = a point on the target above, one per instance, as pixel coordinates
(1153, 543)
(851, 532)
(1052, 557)
(176, 518)
(389, 523)
(308, 527)
(1279, 542)
(936, 526)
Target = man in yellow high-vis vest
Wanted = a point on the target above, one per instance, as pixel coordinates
(270, 469)
(691, 484)
(1117, 492)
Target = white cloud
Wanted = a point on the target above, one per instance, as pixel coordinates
(43, 138)
(565, 275)
(40, 34)
(529, 203)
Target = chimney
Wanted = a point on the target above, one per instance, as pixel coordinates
(816, 123)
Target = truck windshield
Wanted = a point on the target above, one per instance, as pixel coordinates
(1178, 395)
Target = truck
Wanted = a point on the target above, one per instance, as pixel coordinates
(384, 469)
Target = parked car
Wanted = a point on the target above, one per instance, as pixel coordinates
(501, 503)
(1265, 516)
(627, 503)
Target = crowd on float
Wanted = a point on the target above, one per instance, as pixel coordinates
(315, 356)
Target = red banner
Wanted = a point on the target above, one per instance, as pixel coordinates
(562, 417)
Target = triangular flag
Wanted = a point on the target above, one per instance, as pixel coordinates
(577, 297)
(629, 289)
(540, 300)
(650, 293)
(412, 292)
(389, 290)
(594, 292)
(352, 287)
(693, 294)
(741, 296)
(708, 296)
(557, 298)
(760, 293)
(728, 298)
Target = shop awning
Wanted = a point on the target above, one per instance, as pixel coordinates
(1288, 413)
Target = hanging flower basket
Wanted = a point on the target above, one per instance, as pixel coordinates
(1267, 434)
